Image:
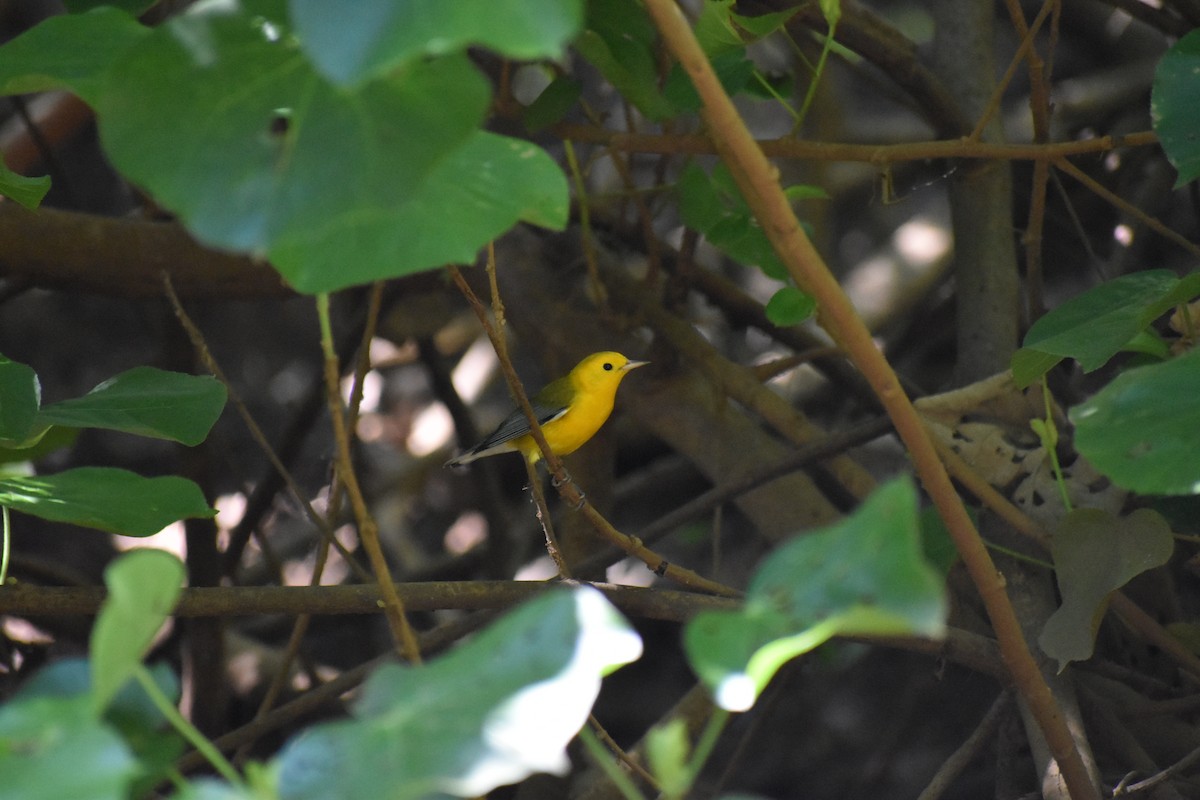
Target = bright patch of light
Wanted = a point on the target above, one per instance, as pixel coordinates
(230, 510)
(630, 572)
(467, 531)
(474, 370)
(171, 538)
(540, 569)
(736, 693)
(1123, 234)
(431, 430)
(372, 391)
(921, 242)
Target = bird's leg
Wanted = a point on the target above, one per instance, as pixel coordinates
(543, 513)
(566, 479)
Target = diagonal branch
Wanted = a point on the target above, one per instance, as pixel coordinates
(758, 181)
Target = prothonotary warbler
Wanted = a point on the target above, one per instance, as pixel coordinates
(570, 411)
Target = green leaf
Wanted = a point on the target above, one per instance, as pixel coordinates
(473, 196)
(1094, 326)
(143, 587)
(68, 52)
(113, 500)
(352, 42)
(620, 42)
(1140, 429)
(1173, 108)
(20, 394)
(287, 152)
(1095, 554)
(667, 750)
(148, 402)
(790, 306)
(498, 708)
(26, 191)
(559, 97)
(57, 747)
(864, 576)
(712, 205)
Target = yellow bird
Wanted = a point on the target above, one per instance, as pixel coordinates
(570, 411)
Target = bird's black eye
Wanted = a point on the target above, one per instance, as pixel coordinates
(607, 366)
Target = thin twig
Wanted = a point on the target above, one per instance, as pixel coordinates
(210, 363)
(368, 530)
(967, 752)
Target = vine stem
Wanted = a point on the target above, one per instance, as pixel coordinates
(758, 181)
(368, 531)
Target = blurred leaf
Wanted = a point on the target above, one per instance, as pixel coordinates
(712, 205)
(352, 42)
(20, 394)
(26, 191)
(864, 576)
(497, 708)
(734, 71)
(113, 500)
(1095, 554)
(790, 306)
(1140, 430)
(53, 748)
(936, 544)
(131, 714)
(148, 402)
(143, 587)
(68, 52)
(667, 749)
(473, 196)
(558, 98)
(619, 41)
(287, 152)
(316, 178)
(1094, 326)
(1173, 107)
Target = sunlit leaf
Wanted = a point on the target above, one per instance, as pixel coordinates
(498, 708)
(864, 576)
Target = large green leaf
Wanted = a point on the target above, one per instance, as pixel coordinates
(352, 42)
(20, 394)
(1173, 107)
(474, 195)
(498, 708)
(1140, 430)
(864, 576)
(251, 162)
(333, 185)
(1095, 554)
(54, 747)
(148, 402)
(143, 586)
(68, 52)
(113, 500)
(1094, 326)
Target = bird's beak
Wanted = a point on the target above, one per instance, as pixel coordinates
(633, 365)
